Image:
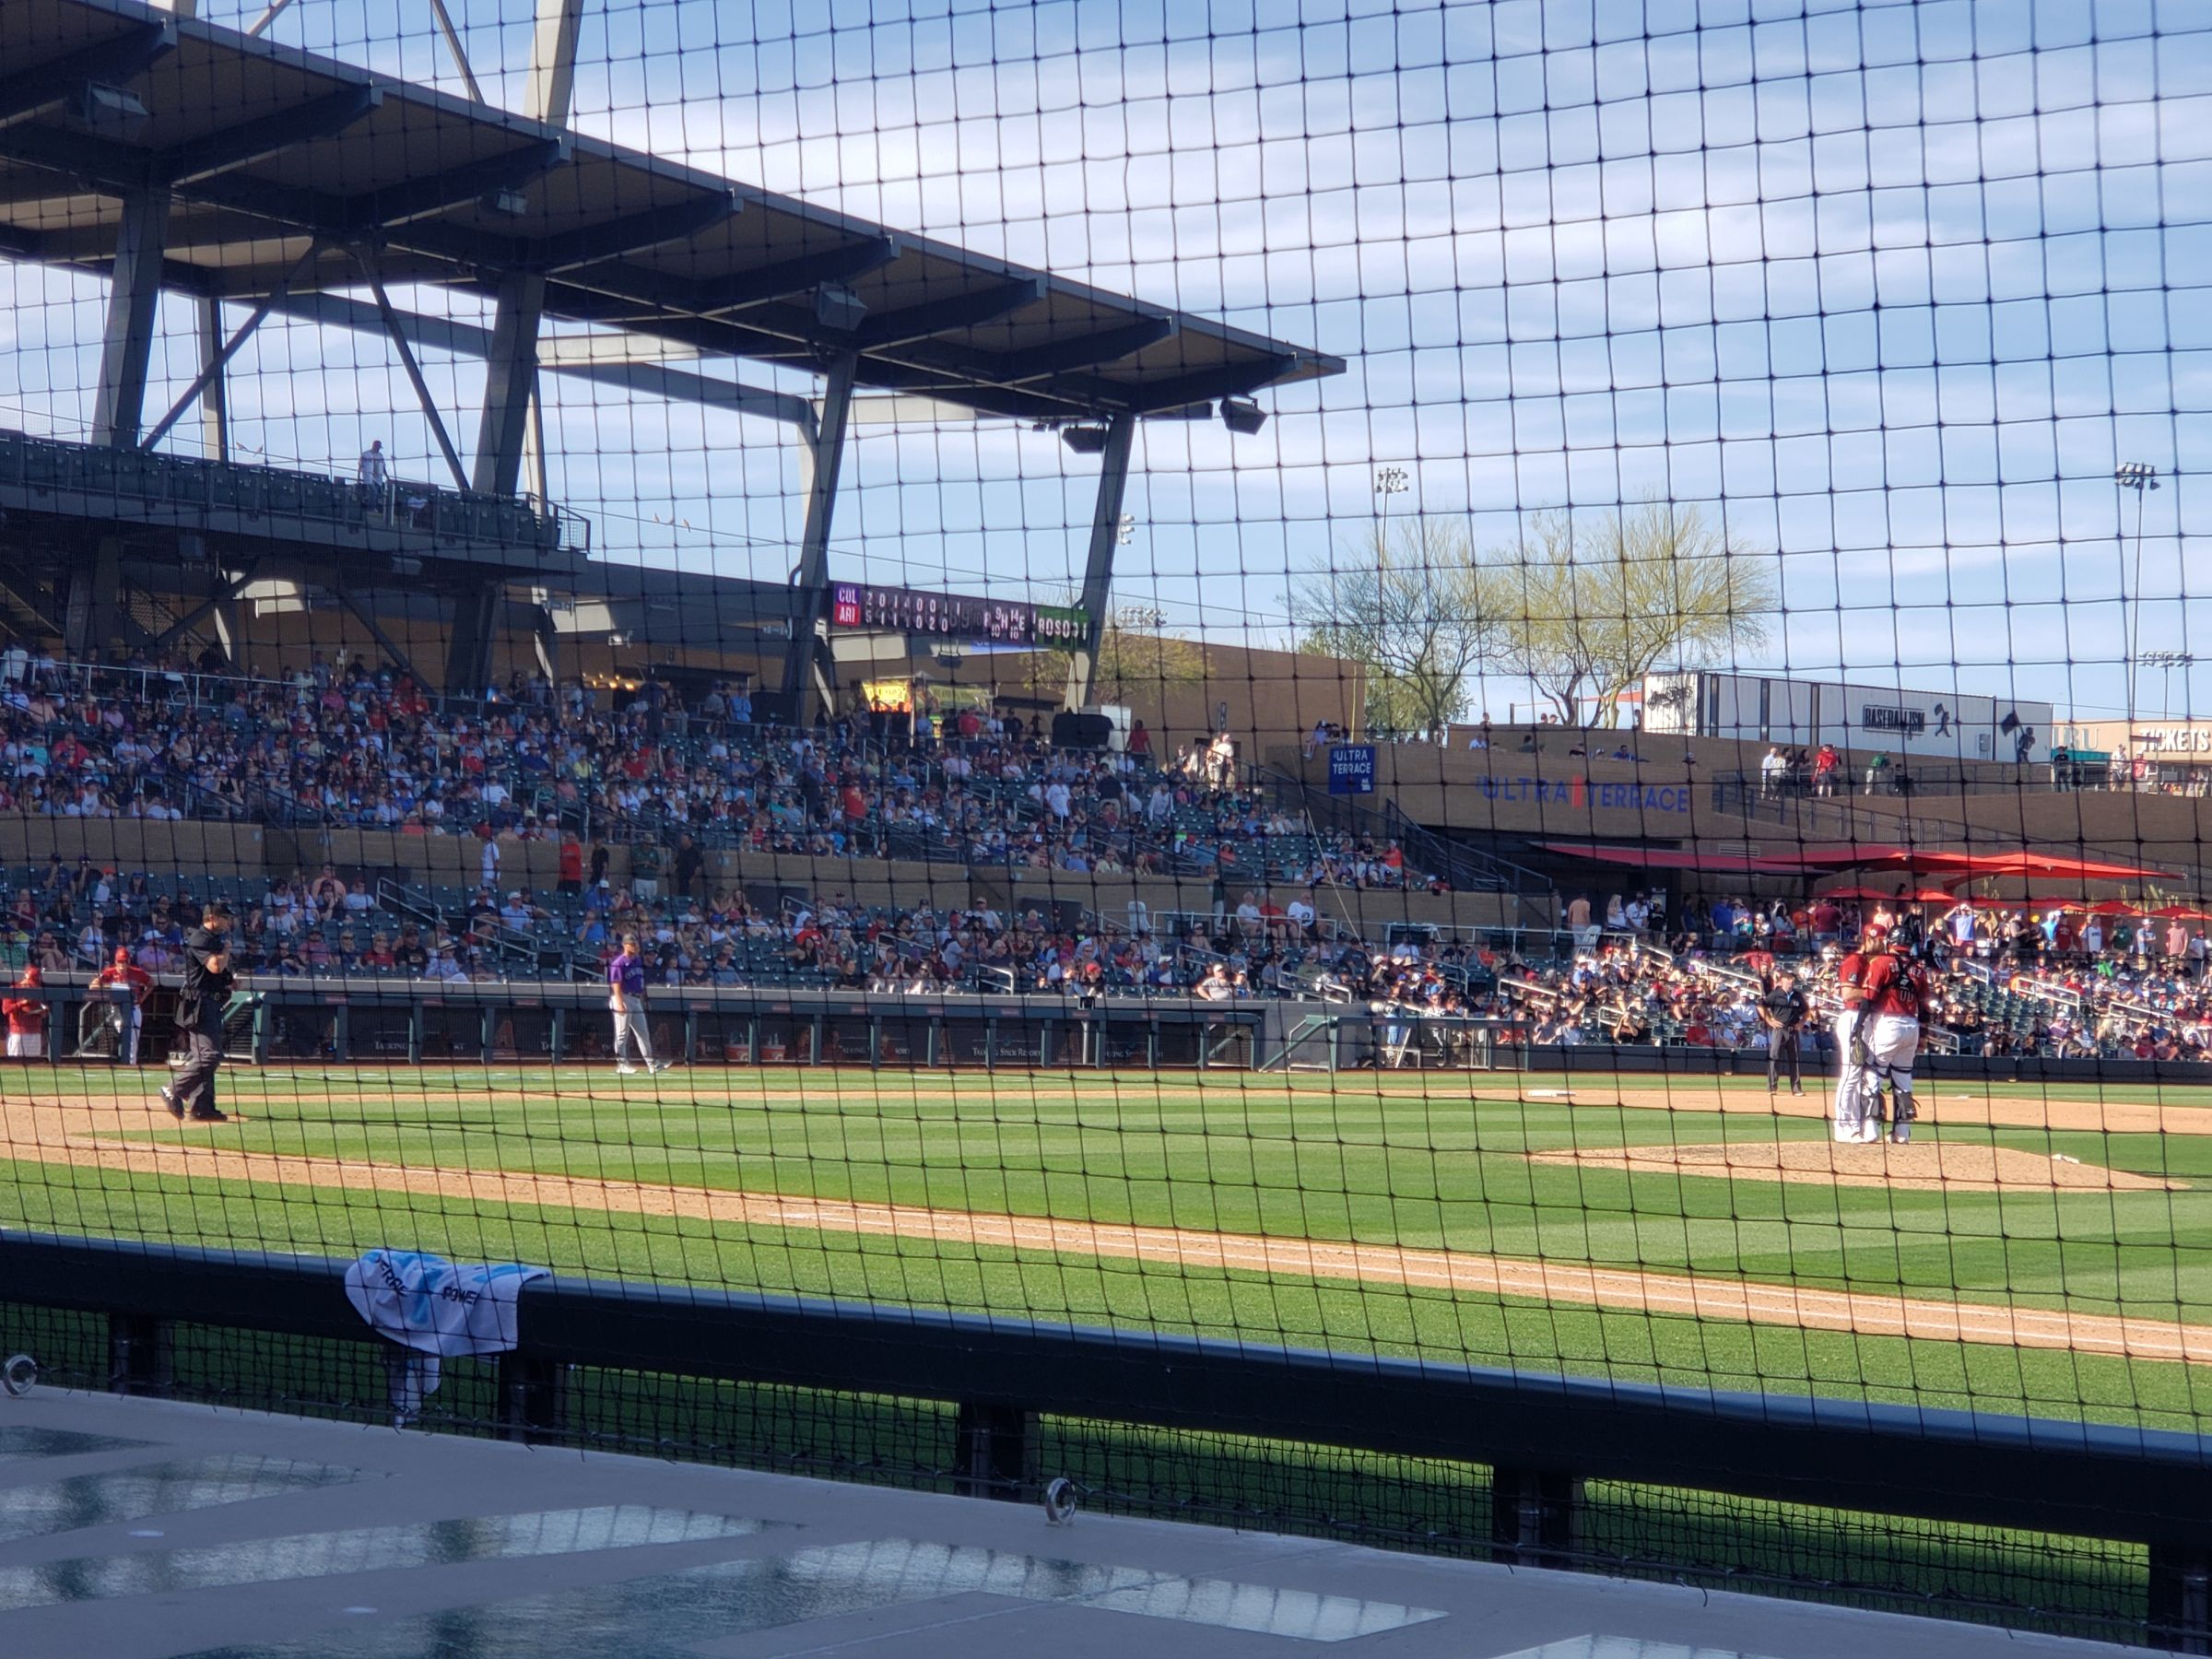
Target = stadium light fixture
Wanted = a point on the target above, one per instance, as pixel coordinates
(2136, 474)
(1241, 416)
(838, 308)
(111, 111)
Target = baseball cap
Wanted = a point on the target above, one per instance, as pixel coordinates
(122, 953)
(216, 910)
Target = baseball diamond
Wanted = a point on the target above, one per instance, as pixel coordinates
(1424, 775)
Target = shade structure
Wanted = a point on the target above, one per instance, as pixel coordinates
(1920, 895)
(1957, 869)
(1676, 858)
(1962, 868)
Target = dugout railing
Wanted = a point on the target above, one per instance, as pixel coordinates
(277, 1331)
(342, 1021)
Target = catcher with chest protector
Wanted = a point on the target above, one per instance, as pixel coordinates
(1894, 993)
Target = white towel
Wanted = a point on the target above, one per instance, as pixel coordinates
(436, 1307)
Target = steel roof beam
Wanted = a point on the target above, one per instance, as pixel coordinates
(466, 340)
(1040, 369)
(786, 277)
(1084, 351)
(598, 243)
(120, 57)
(1228, 380)
(270, 134)
(949, 315)
(441, 193)
(625, 294)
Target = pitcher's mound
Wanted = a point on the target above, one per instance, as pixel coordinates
(1922, 1165)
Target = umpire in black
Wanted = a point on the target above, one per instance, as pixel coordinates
(1783, 1011)
(208, 981)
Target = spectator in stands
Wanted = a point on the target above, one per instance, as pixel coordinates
(645, 862)
(689, 865)
(373, 473)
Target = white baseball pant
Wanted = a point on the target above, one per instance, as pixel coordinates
(1851, 1083)
(25, 1045)
(633, 1024)
(129, 1021)
(1893, 1044)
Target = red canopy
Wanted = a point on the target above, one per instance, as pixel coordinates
(1676, 858)
(1910, 896)
(1970, 866)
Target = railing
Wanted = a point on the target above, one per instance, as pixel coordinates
(1542, 1437)
(48, 464)
(1468, 869)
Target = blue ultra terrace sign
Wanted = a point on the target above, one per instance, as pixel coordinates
(1352, 768)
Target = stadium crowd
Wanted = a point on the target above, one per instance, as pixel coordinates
(2132, 989)
(673, 778)
(340, 745)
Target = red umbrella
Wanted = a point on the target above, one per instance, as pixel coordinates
(1889, 896)
(2180, 912)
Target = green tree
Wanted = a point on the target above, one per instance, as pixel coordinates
(1588, 603)
(1404, 602)
(1130, 659)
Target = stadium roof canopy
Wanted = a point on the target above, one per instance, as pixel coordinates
(283, 170)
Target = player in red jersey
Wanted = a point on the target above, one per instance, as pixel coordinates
(1896, 993)
(124, 973)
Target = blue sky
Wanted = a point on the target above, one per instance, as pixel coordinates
(1885, 289)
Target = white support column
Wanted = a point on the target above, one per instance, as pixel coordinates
(504, 436)
(1098, 569)
(812, 580)
(134, 309)
(215, 397)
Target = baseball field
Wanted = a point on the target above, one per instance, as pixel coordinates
(2041, 1250)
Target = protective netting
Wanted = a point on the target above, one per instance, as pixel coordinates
(1506, 684)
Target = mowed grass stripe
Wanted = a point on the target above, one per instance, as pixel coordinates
(1181, 1250)
(1116, 1161)
(1453, 1329)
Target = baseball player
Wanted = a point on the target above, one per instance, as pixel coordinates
(626, 998)
(124, 973)
(1896, 992)
(26, 1018)
(1851, 1084)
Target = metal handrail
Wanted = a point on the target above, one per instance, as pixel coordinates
(2144, 1485)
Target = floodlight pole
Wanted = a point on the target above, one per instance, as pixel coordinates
(1097, 569)
(2141, 477)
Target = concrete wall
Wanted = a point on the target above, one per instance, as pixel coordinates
(128, 844)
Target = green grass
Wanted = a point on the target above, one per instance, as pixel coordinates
(1433, 1162)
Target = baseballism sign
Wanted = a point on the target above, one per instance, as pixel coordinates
(1879, 717)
